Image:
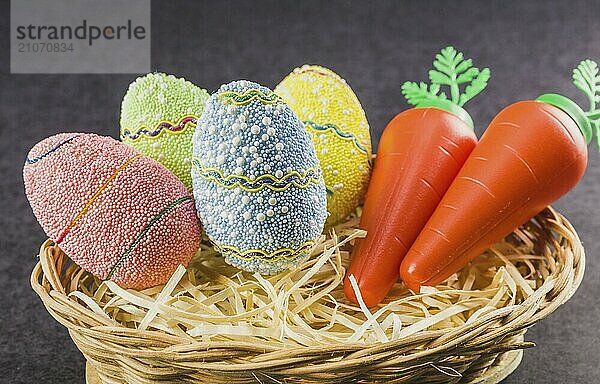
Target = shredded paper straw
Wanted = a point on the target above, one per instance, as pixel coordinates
(213, 301)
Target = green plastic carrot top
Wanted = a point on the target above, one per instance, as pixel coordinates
(586, 77)
(453, 70)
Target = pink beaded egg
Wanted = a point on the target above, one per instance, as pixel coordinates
(115, 212)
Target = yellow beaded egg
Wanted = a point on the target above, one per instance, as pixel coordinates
(338, 125)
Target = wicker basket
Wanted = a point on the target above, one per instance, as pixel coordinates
(481, 350)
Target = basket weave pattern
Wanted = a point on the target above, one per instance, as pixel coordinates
(463, 353)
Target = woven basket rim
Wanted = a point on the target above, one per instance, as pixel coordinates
(477, 338)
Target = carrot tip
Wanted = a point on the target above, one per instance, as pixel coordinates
(349, 291)
(407, 275)
(357, 294)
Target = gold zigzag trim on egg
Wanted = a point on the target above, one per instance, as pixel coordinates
(294, 178)
(160, 128)
(248, 95)
(339, 133)
(87, 205)
(288, 254)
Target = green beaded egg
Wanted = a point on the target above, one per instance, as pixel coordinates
(159, 114)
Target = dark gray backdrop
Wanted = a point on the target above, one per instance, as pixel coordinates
(530, 46)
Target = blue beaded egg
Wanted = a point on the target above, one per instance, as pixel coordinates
(258, 186)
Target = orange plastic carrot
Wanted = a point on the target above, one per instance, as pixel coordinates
(420, 152)
(532, 153)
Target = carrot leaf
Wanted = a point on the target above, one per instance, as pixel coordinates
(417, 93)
(450, 68)
(468, 75)
(596, 126)
(586, 78)
(477, 85)
(439, 78)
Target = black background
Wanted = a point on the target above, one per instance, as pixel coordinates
(531, 47)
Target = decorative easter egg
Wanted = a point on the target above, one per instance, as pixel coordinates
(115, 212)
(337, 123)
(257, 182)
(159, 114)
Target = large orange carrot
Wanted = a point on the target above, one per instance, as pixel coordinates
(532, 153)
(420, 152)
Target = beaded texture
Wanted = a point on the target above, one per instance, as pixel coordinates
(258, 186)
(117, 213)
(159, 114)
(339, 128)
